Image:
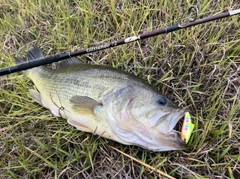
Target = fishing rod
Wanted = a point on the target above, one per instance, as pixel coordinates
(193, 10)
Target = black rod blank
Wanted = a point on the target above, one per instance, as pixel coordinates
(56, 58)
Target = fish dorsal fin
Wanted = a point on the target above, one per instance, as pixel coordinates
(35, 53)
(83, 104)
(32, 54)
(69, 61)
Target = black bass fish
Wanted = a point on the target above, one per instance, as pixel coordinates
(107, 102)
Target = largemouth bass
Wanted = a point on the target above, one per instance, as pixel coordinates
(107, 102)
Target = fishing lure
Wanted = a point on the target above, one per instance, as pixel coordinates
(187, 128)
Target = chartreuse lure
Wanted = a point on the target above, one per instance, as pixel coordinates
(187, 128)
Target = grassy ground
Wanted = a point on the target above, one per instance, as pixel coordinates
(198, 68)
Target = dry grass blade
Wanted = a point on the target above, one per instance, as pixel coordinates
(144, 164)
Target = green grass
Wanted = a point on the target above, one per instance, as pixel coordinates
(199, 68)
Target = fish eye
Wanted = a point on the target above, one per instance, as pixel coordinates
(162, 101)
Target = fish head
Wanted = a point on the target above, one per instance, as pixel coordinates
(143, 117)
(165, 120)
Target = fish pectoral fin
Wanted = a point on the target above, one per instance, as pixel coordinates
(84, 105)
(36, 96)
(83, 101)
(87, 110)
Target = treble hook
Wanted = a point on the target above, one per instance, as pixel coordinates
(192, 10)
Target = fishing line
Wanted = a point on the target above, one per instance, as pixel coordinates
(190, 22)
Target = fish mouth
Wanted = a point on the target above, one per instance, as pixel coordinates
(178, 126)
(167, 122)
(177, 120)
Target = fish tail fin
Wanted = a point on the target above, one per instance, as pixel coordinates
(32, 54)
